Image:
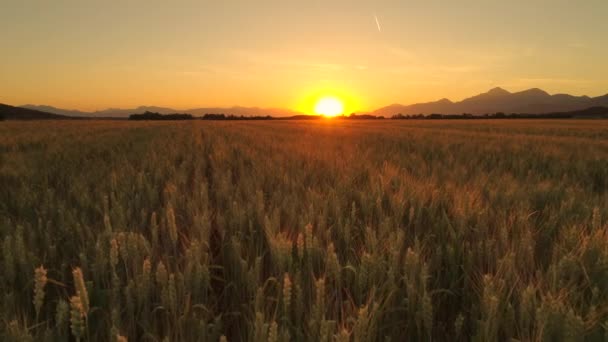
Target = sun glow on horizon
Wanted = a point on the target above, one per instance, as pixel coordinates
(329, 106)
(329, 100)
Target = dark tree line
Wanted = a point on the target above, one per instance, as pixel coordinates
(234, 117)
(593, 112)
(295, 117)
(158, 116)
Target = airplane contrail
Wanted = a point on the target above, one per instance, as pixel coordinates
(378, 23)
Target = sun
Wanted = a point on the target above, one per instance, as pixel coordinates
(329, 106)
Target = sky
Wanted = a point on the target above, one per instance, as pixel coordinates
(92, 55)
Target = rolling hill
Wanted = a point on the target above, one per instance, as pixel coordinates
(17, 113)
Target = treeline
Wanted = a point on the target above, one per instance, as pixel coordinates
(354, 116)
(295, 117)
(467, 116)
(234, 117)
(593, 112)
(158, 116)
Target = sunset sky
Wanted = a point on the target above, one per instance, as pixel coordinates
(92, 55)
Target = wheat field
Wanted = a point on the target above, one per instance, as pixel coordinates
(304, 231)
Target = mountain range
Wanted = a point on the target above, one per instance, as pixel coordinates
(531, 101)
(117, 112)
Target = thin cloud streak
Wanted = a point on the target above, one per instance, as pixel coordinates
(378, 23)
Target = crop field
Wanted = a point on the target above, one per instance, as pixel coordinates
(328, 230)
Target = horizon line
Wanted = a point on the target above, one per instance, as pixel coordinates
(295, 110)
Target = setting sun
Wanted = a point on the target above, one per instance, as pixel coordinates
(329, 106)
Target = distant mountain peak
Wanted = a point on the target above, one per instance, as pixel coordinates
(535, 91)
(498, 91)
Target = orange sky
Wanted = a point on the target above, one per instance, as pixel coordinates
(92, 55)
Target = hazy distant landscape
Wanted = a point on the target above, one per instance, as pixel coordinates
(532, 101)
(238, 111)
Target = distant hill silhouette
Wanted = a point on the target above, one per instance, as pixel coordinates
(54, 110)
(496, 100)
(17, 113)
(531, 101)
(123, 113)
